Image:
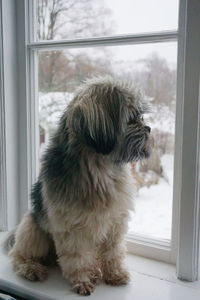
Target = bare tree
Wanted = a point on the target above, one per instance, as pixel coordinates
(72, 18)
(68, 19)
(59, 71)
(158, 80)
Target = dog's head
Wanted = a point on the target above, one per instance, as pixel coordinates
(107, 116)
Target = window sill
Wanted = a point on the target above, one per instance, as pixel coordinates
(149, 280)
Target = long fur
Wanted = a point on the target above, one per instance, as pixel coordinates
(82, 197)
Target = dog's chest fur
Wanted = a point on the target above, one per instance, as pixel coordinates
(104, 199)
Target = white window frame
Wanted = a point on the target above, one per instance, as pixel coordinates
(9, 175)
(188, 142)
(184, 248)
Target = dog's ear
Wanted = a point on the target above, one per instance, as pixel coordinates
(92, 123)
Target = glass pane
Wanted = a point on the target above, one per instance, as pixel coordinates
(68, 19)
(153, 68)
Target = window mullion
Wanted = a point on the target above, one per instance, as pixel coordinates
(157, 37)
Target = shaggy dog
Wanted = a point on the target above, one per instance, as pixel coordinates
(81, 200)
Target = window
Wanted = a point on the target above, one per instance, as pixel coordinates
(153, 68)
(105, 39)
(71, 41)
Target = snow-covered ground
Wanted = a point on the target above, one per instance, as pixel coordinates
(153, 206)
(51, 107)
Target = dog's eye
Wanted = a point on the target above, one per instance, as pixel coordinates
(140, 118)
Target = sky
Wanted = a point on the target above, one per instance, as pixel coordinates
(136, 16)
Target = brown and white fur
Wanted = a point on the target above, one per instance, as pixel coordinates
(83, 195)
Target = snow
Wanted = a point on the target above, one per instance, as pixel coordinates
(153, 206)
(51, 106)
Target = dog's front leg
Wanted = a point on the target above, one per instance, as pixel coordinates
(78, 265)
(112, 253)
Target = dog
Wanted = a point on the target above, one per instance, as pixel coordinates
(81, 200)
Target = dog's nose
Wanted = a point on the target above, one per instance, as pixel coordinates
(148, 128)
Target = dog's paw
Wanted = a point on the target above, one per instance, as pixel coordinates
(121, 277)
(84, 288)
(33, 271)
